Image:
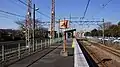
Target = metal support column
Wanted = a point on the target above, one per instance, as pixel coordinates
(33, 27)
(103, 32)
(41, 45)
(3, 53)
(28, 25)
(36, 45)
(19, 55)
(52, 20)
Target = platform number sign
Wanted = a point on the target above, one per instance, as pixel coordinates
(64, 24)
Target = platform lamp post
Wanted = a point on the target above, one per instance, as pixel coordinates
(34, 23)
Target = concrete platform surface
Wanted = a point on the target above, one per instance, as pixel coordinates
(53, 59)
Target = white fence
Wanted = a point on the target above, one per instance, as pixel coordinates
(21, 51)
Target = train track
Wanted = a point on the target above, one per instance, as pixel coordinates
(108, 49)
(96, 49)
(94, 56)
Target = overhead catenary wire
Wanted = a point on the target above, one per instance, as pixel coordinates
(23, 2)
(104, 5)
(33, 8)
(15, 3)
(4, 16)
(86, 8)
(43, 14)
(10, 13)
(86, 12)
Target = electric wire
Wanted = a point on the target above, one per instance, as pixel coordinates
(86, 8)
(103, 6)
(33, 8)
(4, 16)
(12, 13)
(15, 3)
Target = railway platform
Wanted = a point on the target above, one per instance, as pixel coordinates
(51, 57)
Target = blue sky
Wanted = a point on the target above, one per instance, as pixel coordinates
(63, 9)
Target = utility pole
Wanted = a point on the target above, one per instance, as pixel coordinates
(33, 26)
(52, 19)
(28, 24)
(59, 28)
(103, 32)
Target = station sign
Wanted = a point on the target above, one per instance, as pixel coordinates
(64, 24)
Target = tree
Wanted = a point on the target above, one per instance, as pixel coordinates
(100, 32)
(114, 30)
(119, 23)
(94, 32)
(39, 30)
(110, 31)
(21, 24)
(106, 25)
(107, 33)
(87, 34)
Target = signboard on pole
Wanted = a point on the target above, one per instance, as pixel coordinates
(64, 24)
